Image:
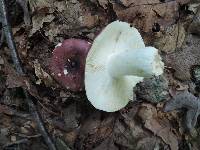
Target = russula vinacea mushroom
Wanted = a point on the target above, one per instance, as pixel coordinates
(67, 64)
(116, 62)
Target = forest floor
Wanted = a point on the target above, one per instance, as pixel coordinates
(172, 26)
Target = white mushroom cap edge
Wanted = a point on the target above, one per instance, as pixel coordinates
(116, 62)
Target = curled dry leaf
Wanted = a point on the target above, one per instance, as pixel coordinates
(22, 44)
(70, 18)
(103, 3)
(146, 143)
(41, 6)
(42, 75)
(15, 112)
(172, 39)
(129, 3)
(184, 59)
(38, 21)
(88, 20)
(161, 128)
(70, 138)
(128, 133)
(182, 87)
(94, 130)
(1, 60)
(71, 117)
(9, 111)
(15, 80)
(107, 144)
(42, 10)
(24, 5)
(194, 26)
(193, 7)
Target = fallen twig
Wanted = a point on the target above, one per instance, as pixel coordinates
(22, 141)
(24, 5)
(15, 57)
(2, 37)
(12, 112)
(28, 136)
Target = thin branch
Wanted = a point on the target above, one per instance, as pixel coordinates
(22, 141)
(13, 112)
(24, 6)
(28, 136)
(2, 38)
(9, 37)
(15, 57)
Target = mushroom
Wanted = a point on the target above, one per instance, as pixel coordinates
(67, 64)
(116, 62)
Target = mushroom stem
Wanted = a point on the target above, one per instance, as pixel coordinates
(142, 62)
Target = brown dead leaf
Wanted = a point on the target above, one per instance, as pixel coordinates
(160, 128)
(147, 14)
(24, 5)
(59, 6)
(68, 15)
(184, 59)
(108, 144)
(41, 6)
(182, 87)
(1, 60)
(131, 135)
(89, 20)
(181, 2)
(146, 143)
(70, 137)
(4, 135)
(38, 21)
(71, 116)
(94, 130)
(42, 75)
(129, 3)
(70, 18)
(22, 44)
(172, 39)
(12, 112)
(43, 13)
(6, 110)
(193, 7)
(194, 26)
(11, 83)
(103, 3)
(15, 80)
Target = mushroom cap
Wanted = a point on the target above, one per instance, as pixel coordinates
(103, 91)
(67, 64)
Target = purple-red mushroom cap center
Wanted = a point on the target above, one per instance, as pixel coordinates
(67, 64)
